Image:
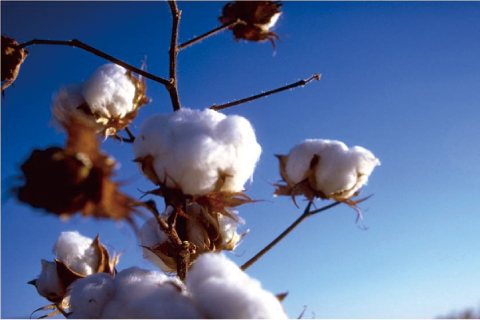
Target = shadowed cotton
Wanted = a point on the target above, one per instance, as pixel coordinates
(193, 149)
(339, 168)
(222, 291)
(90, 295)
(150, 236)
(48, 284)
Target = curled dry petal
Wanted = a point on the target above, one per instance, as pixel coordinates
(12, 59)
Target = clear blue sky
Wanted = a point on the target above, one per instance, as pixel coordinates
(399, 78)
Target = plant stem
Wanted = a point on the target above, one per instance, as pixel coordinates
(305, 215)
(207, 34)
(316, 76)
(173, 88)
(78, 44)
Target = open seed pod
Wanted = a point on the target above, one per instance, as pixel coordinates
(76, 178)
(256, 19)
(110, 99)
(325, 169)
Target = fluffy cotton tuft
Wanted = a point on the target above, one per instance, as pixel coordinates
(339, 170)
(142, 294)
(194, 149)
(109, 91)
(48, 284)
(90, 295)
(222, 291)
(76, 252)
(134, 293)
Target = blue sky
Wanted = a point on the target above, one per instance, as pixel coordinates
(401, 79)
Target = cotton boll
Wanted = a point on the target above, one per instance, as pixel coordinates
(143, 294)
(193, 149)
(76, 251)
(90, 295)
(151, 236)
(48, 284)
(109, 91)
(222, 291)
(339, 169)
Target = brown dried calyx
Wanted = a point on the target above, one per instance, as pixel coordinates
(12, 58)
(256, 19)
(76, 178)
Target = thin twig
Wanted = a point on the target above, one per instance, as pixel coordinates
(316, 76)
(78, 44)
(208, 34)
(305, 215)
(173, 88)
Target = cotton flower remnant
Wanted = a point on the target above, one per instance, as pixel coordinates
(111, 97)
(12, 59)
(256, 19)
(222, 291)
(76, 257)
(76, 178)
(325, 169)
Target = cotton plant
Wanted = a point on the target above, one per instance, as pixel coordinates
(201, 163)
(110, 98)
(76, 257)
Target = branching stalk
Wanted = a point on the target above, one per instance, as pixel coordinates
(300, 83)
(173, 87)
(208, 34)
(78, 44)
(305, 215)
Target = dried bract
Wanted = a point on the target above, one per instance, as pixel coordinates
(12, 59)
(256, 19)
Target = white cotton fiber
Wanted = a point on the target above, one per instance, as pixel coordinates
(48, 284)
(76, 251)
(195, 148)
(151, 236)
(142, 294)
(222, 291)
(109, 92)
(90, 295)
(339, 169)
